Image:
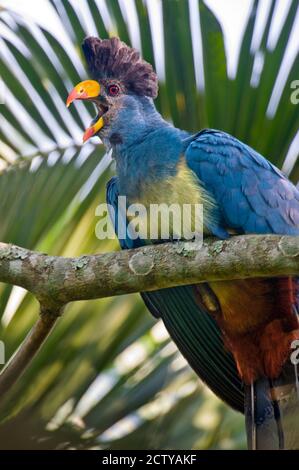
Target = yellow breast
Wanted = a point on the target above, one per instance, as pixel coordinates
(181, 199)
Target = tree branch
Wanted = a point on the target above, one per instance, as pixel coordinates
(30, 346)
(56, 281)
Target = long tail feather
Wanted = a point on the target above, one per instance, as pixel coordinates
(272, 411)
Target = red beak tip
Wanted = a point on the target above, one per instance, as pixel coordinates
(88, 134)
(69, 102)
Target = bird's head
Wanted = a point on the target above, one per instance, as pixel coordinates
(121, 82)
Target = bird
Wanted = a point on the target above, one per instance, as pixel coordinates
(236, 335)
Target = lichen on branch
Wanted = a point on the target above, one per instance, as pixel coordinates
(57, 280)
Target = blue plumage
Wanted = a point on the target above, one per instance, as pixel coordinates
(253, 195)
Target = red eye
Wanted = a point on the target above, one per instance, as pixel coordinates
(113, 90)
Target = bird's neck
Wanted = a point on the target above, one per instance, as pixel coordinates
(135, 122)
(146, 148)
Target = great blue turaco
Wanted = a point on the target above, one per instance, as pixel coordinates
(236, 335)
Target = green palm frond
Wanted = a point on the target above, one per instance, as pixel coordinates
(108, 377)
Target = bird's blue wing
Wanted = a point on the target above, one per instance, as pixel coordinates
(192, 329)
(252, 195)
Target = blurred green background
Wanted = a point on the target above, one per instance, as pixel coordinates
(108, 376)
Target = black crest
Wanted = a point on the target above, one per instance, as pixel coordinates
(112, 58)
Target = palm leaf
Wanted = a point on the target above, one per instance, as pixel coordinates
(108, 377)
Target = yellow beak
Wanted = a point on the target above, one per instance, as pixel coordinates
(87, 90)
(94, 129)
